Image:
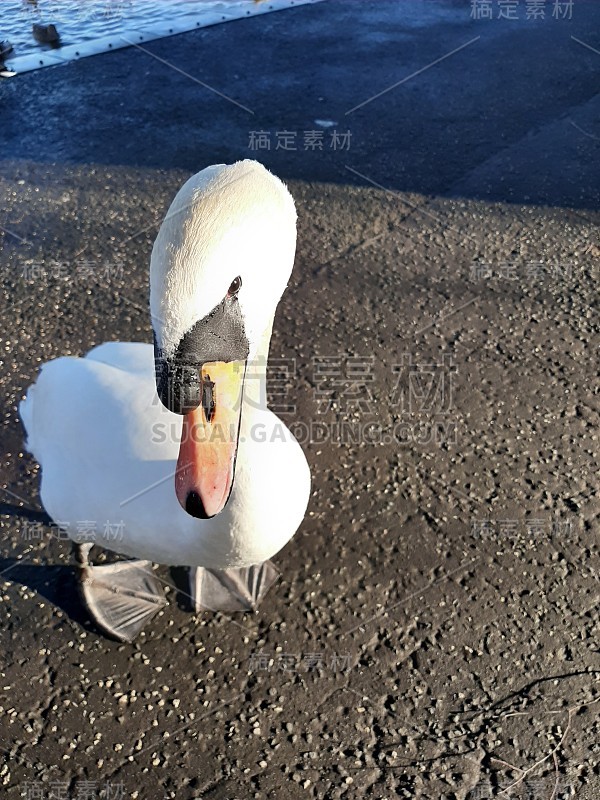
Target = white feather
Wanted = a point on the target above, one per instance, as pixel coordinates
(108, 448)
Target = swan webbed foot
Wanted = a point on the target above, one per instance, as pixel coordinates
(236, 589)
(121, 597)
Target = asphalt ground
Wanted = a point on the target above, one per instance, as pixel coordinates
(434, 633)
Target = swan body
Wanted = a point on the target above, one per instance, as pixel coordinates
(108, 451)
(108, 443)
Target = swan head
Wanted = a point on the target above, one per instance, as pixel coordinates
(220, 263)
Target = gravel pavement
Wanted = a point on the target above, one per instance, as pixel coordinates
(434, 633)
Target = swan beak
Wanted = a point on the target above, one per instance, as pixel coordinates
(209, 440)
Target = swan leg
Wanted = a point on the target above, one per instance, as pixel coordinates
(240, 589)
(121, 597)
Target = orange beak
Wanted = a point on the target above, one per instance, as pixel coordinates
(209, 441)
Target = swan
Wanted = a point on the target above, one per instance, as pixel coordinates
(170, 448)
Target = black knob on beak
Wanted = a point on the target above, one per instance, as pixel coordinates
(220, 336)
(177, 385)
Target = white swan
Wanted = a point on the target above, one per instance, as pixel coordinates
(214, 479)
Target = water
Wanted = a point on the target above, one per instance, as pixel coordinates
(84, 21)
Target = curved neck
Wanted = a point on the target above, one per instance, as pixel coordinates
(255, 382)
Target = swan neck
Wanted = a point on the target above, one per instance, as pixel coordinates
(255, 385)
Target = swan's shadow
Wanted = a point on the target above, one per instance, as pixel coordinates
(30, 514)
(56, 583)
(59, 583)
(180, 581)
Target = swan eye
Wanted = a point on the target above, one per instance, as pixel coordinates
(236, 285)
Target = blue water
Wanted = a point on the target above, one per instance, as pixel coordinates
(79, 21)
